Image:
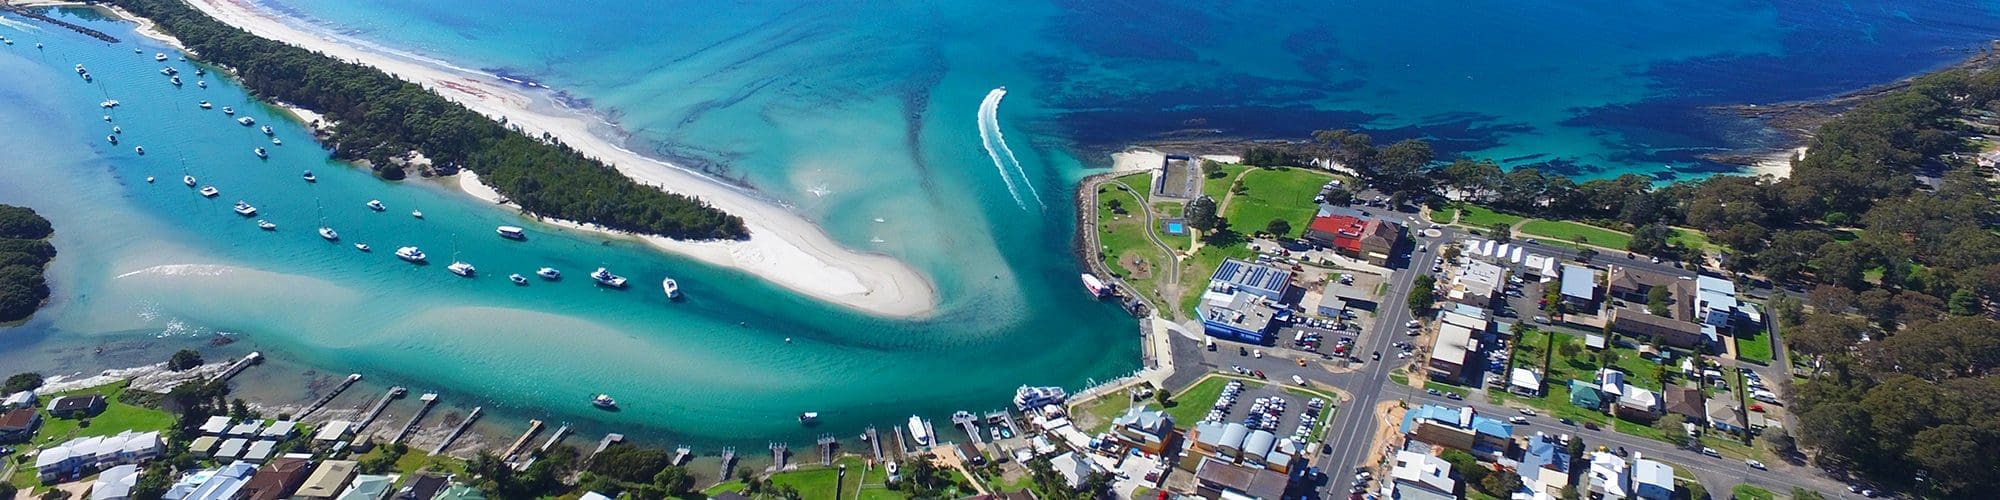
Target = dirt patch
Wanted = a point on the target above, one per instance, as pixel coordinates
(1139, 267)
(1387, 435)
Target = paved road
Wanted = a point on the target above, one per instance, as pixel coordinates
(1355, 425)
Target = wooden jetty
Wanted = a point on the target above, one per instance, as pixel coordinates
(430, 400)
(874, 441)
(681, 455)
(381, 404)
(328, 398)
(534, 427)
(826, 445)
(609, 439)
(239, 365)
(778, 453)
(728, 461)
(561, 432)
(457, 431)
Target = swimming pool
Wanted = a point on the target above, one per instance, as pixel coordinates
(1176, 227)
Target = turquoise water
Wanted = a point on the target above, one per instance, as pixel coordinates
(849, 112)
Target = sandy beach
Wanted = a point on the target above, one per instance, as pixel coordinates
(783, 247)
(1778, 164)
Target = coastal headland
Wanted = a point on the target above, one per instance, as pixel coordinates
(783, 247)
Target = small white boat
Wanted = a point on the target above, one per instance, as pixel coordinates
(266, 225)
(276, 142)
(205, 105)
(267, 130)
(80, 70)
(159, 56)
(201, 83)
(139, 149)
(919, 432)
(309, 177)
(362, 247)
(328, 233)
(199, 71)
(376, 205)
(518, 279)
(417, 213)
(188, 180)
(549, 273)
(107, 118)
(808, 417)
(168, 71)
(411, 254)
(210, 191)
(511, 232)
(672, 288)
(604, 401)
(149, 179)
(245, 120)
(38, 45)
(112, 138)
(228, 110)
(604, 277)
(244, 209)
(175, 80)
(117, 130)
(261, 153)
(461, 268)
(86, 77)
(108, 103)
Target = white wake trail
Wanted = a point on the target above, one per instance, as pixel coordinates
(1001, 139)
(989, 134)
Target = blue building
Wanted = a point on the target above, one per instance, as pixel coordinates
(1234, 314)
(1256, 279)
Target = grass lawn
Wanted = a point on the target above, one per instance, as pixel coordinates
(818, 483)
(1399, 378)
(1216, 187)
(1482, 217)
(1197, 268)
(118, 416)
(1576, 232)
(1443, 215)
(1123, 234)
(1193, 403)
(1748, 492)
(1275, 194)
(1693, 239)
(726, 487)
(1099, 412)
(1639, 371)
(1643, 430)
(1756, 348)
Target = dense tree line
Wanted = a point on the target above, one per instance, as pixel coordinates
(377, 117)
(24, 252)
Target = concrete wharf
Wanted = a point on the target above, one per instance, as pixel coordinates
(455, 432)
(902, 448)
(779, 451)
(966, 422)
(728, 460)
(609, 439)
(430, 401)
(328, 398)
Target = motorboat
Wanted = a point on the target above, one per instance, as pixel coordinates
(918, 432)
(266, 225)
(328, 233)
(672, 288)
(86, 77)
(188, 180)
(169, 71)
(139, 150)
(363, 247)
(605, 278)
(511, 232)
(149, 179)
(376, 205)
(228, 110)
(112, 138)
(80, 70)
(199, 72)
(159, 56)
(411, 254)
(518, 279)
(210, 191)
(261, 153)
(808, 417)
(604, 401)
(108, 103)
(205, 105)
(117, 130)
(245, 209)
(461, 268)
(175, 80)
(267, 130)
(309, 177)
(201, 83)
(277, 142)
(245, 120)
(417, 213)
(107, 118)
(549, 273)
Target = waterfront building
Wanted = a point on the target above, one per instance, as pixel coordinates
(368, 487)
(23, 399)
(461, 492)
(246, 429)
(79, 406)
(216, 425)
(1236, 315)
(276, 480)
(72, 458)
(336, 430)
(280, 430)
(1151, 431)
(217, 484)
(422, 487)
(1253, 278)
(1421, 476)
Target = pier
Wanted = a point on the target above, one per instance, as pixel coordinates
(328, 398)
(966, 422)
(874, 441)
(778, 453)
(429, 400)
(902, 448)
(31, 14)
(239, 365)
(394, 392)
(609, 439)
(681, 454)
(458, 431)
(534, 426)
(728, 461)
(561, 432)
(826, 446)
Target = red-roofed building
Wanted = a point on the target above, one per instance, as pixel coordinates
(1368, 239)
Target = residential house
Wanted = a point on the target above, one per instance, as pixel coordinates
(1544, 468)
(280, 430)
(367, 487)
(1725, 415)
(1652, 480)
(1525, 382)
(461, 492)
(1453, 350)
(1583, 394)
(79, 406)
(1633, 285)
(1717, 307)
(1421, 476)
(335, 430)
(259, 451)
(422, 487)
(1610, 478)
(74, 457)
(1611, 383)
(1233, 314)
(1461, 428)
(1217, 479)
(115, 483)
(1355, 234)
(216, 425)
(1151, 431)
(277, 480)
(23, 399)
(18, 425)
(203, 446)
(231, 448)
(1073, 468)
(224, 483)
(1579, 289)
(1253, 278)
(1637, 403)
(1687, 402)
(246, 429)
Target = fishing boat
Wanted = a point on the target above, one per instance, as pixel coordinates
(139, 149)
(411, 254)
(159, 56)
(518, 279)
(511, 232)
(461, 268)
(246, 121)
(328, 233)
(266, 225)
(188, 180)
(604, 401)
(267, 130)
(808, 417)
(604, 277)
(245, 209)
(376, 205)
(309, 177)
(417, 213)
(363, 247)
(917, 431)
(672, 288)
(210, 191)
(205, 105)
(228, 110)
(261, 153)
(549, 273)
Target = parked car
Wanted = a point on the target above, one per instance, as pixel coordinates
(1754, 464)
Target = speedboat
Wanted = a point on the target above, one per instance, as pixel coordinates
(276, 142)
(362, 247)
(228, 110)
(417, 213)
(149, 179)
(604, 401)
(80, 70)
(376, 205)
(112, 138)
(328, 233)
(918, 432)
(169, 71)
(605, 278)
(808, 417)
(244, 209)
(175, 80)
(461, 268)
(411, 254)
(210, 191)
(159, 56)
(518, 279)
(117, 129)
(245, 120)
(205, 105)
(309, 177)
(199, 72)
(672, 288)
(139, 149)
(86, 77)
(266, 225)
(107, 118)
(511, 232)
(188, 180)
(549, 273)
(261, 153)
(267, 130)
(201, 83)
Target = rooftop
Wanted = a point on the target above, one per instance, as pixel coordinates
(1579, 282)
(1256, 278)
(1453, 344)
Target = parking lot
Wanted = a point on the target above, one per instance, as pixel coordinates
(1267, 407)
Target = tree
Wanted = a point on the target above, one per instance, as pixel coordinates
(1467, 467)
(1278, 228)
(22, 382)
(1116, 206)
(184, 360)
(1423, 294)
(1585, 254)
(1569, 349)
(1211, 169)
(1201, 214)
(1501, 233)
(1656, 301)
(630, 463)
(1805, 494)
(1160, 396)
(1501, 484)
(674, 480)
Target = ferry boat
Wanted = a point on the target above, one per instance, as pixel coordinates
(461, 268)
(363, 247)
(309, 177)
(518, 279)
(261, 153)
(808, 417)
(549, 273)
(228, 110)
(511, 232)
(672, 288)
(1096, 286)
(205, 105)
(159, 56)
(328, 233)
(605, 278)
(1028, 398)
(141, 150)
(604, 401)
(917, 431)
(210, 191)
(244, 209)
(411, 254)
(376, 205)
(266, 225)
(245, 120)
(267, 130)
